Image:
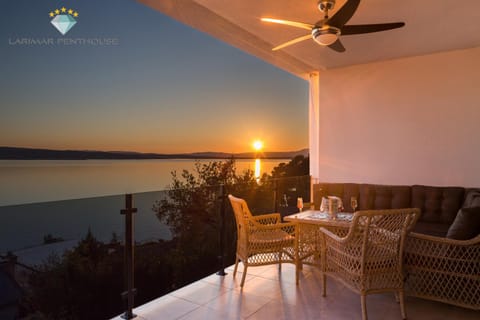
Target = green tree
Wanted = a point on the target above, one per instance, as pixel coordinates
(298, 166)
(82, 284)
(191, 210)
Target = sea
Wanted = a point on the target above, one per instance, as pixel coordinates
(66, 198)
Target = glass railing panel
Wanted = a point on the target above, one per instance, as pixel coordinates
(163, 265)
(68, 256)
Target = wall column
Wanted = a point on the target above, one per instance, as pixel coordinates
(314, 123)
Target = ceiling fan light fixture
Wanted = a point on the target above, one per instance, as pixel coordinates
(326, 35)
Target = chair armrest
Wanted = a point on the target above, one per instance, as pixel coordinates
(459, 258)
(332, 235)
(270, 218)
(442, 240)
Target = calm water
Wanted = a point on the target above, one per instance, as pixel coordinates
(31, 181)
(33, 199)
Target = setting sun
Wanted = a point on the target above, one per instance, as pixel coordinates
(257, 145)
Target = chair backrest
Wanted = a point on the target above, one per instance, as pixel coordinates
(381, 232)
(242, 214)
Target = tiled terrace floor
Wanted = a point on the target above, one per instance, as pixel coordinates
(270, 294)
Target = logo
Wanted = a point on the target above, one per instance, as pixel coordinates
(63, 19)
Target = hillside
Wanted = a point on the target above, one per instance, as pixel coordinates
(14, 153)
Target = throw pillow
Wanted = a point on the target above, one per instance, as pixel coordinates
(472, 198)
(466, 224)
(475, 201)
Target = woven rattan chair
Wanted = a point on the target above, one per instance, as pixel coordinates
(443, 269)
(369, 258)
(261, 239)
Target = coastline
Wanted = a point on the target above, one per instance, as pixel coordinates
(16, 153)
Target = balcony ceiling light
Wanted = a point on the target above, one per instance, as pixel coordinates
(325, 35)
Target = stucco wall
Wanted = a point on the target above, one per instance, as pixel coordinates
(406, 121)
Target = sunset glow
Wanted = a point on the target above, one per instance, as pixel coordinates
(168, 99)
(257, 145)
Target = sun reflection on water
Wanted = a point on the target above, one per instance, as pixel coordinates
(258, 169)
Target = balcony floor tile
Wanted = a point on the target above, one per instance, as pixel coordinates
(270, 294)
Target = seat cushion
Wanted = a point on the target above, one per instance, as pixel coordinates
(431, 228)
(271, 237)
(466, 225)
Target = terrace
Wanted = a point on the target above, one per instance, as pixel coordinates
(396, 108)
(270, 294)
(399, 107)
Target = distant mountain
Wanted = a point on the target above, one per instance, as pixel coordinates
(14, 153)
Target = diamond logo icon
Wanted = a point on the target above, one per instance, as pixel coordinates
(63, 23)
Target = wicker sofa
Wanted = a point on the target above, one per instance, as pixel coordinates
(437, 267)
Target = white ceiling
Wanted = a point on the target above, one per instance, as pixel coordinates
(431, 26)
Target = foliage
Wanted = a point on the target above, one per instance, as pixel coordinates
(79, 285)
(191, 211)
(86, 282)
(298, 166)
(191, 208)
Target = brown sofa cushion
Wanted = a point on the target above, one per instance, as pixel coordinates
(466, 225)
(342, 190)
(431, 228)
(438, 204)
(374, 197)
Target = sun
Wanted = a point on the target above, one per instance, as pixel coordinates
(257, 145)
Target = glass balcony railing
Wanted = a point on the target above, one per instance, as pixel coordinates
(66, 259)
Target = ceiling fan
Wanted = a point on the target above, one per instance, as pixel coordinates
(327, 31)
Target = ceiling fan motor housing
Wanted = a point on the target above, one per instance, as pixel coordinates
(324, 5)
(325, 35)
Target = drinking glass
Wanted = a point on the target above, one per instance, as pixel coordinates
(354, 203)
(300, 204)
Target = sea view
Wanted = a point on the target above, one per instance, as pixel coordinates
(66, 198)
(32, 181)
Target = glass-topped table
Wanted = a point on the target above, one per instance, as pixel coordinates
(341, 219)
(307, 239)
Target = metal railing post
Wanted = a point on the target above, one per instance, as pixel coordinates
(129, 256)
(221, 257)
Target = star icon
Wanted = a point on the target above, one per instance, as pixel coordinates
(70, 11)
(64, 9)
(75, 14)
(51, 14)
(57, 11)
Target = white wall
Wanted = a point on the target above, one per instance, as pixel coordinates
(406, 121)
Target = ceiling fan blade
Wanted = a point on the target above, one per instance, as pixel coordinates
(337, 46)
(367, 28)
(345, 13)
(302, 25)
(289, 43)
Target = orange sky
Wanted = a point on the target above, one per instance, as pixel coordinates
(166, 88)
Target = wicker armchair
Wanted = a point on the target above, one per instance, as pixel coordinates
(443, 269)
(261, 239)
(369, 258)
